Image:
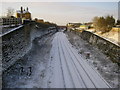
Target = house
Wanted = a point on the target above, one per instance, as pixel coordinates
(39, 20)
(83, 27)
(24, 14)
(89, 24)
(11, 21)
(73, 25)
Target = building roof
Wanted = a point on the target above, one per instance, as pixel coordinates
(83, 26)
(18, 11)
(26, 12)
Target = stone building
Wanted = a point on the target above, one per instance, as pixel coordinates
(39, 20)
(24, 14)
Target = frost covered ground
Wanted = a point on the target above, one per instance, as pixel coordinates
(69, 69)
(29, 71)
(54, 63)
(97, 59)
(113, 35)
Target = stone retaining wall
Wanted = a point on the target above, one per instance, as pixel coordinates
(107, 47)
(17, 43)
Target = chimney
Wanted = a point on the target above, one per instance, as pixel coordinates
(21, 9)
(27, 8)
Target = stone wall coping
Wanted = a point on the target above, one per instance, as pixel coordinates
(11, 30)
(105, 39)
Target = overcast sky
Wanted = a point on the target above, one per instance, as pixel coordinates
(65, 12)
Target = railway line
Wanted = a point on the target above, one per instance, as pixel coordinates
(69, 68)
(64, 69)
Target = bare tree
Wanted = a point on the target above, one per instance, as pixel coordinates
(10, 12)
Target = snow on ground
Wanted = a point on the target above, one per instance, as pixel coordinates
(30, 71)
(113, 36)
(97, 59)
(70, 70)
(54, 63)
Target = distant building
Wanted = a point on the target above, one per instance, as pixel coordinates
(39, 20)
(90, 24)
(11, 21)
(24, 14)
(83, 27)
(73, 24)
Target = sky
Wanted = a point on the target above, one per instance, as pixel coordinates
(62, 13)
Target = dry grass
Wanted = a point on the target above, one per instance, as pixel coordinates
(113, 35)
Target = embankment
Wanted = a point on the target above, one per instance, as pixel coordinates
(107, 47)
(18, 42)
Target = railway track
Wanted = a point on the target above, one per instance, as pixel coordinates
(70, 70)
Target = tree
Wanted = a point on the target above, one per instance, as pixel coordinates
(110, 22)
(10, 12)
(36, 19)
(118, 22)
(103, 24)
(95, 21)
